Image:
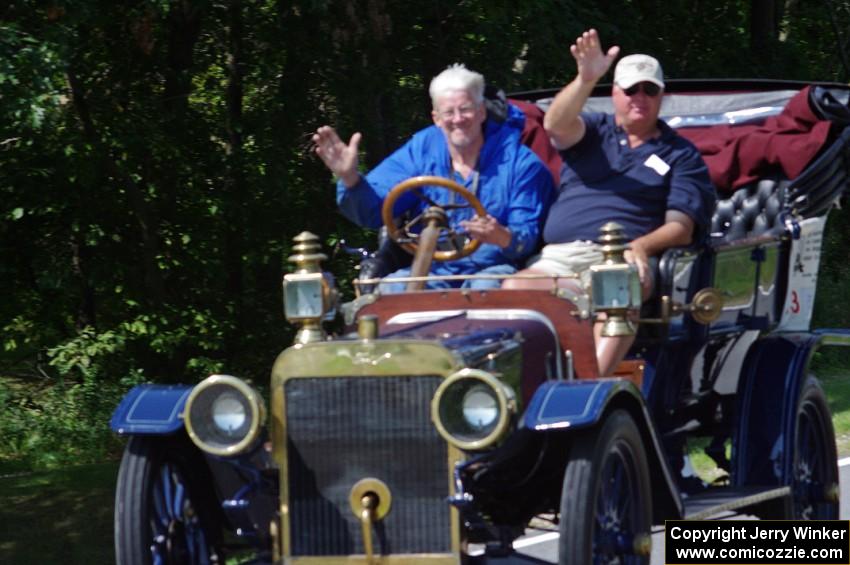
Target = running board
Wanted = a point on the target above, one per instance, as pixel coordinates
(728, 499)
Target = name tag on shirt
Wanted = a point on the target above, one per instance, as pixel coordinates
(657, 164)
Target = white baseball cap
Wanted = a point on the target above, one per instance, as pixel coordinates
(633, 69)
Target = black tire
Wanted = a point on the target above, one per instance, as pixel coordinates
(815, 473)
(164, 513)
(606, 503)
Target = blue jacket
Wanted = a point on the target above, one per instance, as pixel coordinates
(514, 187)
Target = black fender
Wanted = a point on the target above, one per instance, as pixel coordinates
(564, 408)
(771, 382)
(151, 410)
(244, 498)
(772, 379)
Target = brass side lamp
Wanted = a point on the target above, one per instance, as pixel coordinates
(615, 284)
(307, 294)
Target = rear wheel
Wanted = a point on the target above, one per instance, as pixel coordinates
(163, 505)
(815, 480)
(606, 507)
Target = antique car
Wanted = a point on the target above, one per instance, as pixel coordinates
(440, 423)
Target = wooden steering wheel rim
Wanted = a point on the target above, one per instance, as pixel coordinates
(415, 182)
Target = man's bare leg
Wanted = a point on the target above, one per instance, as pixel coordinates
(537, 284)
(610, 350)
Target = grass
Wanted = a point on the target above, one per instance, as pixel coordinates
(832, 366)
(61, 516)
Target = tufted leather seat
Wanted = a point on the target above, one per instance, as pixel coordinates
(751, 211)
(758, 208)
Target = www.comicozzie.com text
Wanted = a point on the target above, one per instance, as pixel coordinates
(756, 532)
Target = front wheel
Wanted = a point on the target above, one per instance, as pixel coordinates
(606, 508)
(164, 505)
(815, 480)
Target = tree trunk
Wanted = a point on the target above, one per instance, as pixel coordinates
(79, 260)
(763, 27)
(184, 27)
(155, 288)
(234, 183)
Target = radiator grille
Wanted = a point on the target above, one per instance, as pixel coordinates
(344, 429)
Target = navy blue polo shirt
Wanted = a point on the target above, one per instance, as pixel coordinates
(603, 180)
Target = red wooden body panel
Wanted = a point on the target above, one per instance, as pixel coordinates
(575, 334)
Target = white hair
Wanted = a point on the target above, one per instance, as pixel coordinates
(457, 77)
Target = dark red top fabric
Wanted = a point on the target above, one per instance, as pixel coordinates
(534, 136)
(735, 155)
(786, 143)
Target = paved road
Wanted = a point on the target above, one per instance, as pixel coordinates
(538, 549)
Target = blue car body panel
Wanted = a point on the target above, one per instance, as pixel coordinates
(151, 409)
(561, 406)
(572, 404)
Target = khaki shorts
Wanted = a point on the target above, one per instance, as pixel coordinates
(574, 258)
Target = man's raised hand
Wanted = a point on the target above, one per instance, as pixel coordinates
(591, 61)
(340, 158)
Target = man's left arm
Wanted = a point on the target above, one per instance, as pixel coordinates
(690, 204)
(676, 231)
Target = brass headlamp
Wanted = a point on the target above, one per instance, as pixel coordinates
(615, 284)
(224, 415)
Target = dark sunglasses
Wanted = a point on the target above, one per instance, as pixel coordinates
(649, 88)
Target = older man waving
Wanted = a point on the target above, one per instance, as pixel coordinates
(483, 155)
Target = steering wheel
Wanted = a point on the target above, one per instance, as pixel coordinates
(434, 217)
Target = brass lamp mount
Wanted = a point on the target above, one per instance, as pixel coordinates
(614, 242)
(308, 253)
(705, 307)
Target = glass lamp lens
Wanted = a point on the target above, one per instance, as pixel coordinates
(480, 408)
(616, 288)
(303, 297)
(228, 413)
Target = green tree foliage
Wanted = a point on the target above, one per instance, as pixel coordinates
(155, 156)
